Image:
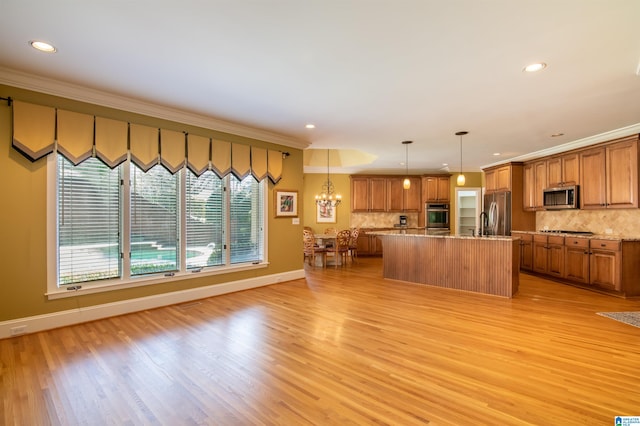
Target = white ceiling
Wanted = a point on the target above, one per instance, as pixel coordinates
(368, 73)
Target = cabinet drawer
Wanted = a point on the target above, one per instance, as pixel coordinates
(556, 239)
(605, 244)
(576, 242)
(522, 236)
(540, 238)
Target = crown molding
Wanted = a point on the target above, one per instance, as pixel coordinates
(579, 143)
(48, 86)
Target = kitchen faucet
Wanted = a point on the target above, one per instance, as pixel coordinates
(484, 218)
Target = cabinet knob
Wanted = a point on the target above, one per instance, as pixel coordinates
(575, 242)
(603, 245)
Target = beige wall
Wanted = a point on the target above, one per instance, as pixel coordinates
(312, 186)
(23, 222)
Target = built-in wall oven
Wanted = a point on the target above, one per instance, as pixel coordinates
(437, 216)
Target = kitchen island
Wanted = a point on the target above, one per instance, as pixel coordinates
(488, 265)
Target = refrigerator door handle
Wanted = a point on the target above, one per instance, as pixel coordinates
(493, 217)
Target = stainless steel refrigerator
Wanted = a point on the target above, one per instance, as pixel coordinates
(497, 213)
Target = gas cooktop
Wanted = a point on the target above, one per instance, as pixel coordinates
(563, 231)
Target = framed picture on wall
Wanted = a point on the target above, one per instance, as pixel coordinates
(286, 203)
(326, 213)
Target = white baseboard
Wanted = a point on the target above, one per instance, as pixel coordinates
(37, 323)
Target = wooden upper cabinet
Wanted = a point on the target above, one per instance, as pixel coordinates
(384, 194)
(403, 200)
(609, 175)
(504, 178)
(592, 179)
(368, 194)
(412, 196)
(622, 174)
(378, 195)
(540, 173)
(498, 179)
(528, 187)
(395, 194)
(359, 194)
(435, 189)
(563, 170)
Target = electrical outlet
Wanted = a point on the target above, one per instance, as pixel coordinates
(16, 331)
(608, 231)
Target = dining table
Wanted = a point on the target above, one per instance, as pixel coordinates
(324, 241)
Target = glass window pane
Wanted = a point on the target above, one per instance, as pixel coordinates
(88, 221)
(204, 220)
(154, 221)
(246, 220)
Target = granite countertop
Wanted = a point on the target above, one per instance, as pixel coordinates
(438, 234)
(612, 237)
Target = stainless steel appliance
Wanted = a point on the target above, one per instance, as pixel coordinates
(560, 198)
(497, 207)
(437, 216)
(403, 220)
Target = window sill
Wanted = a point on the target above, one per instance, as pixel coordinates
(112, 285)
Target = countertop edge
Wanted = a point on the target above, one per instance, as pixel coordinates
(611, 237)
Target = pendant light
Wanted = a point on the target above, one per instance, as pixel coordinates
(327, 198)
(406, 184)
(461, 179)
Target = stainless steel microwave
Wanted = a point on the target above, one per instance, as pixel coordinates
(565, 197)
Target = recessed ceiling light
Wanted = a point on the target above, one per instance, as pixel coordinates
(445, 164)
(310, 126)
(42, 46)
(535, 67)
(555, 135)
(496, 153)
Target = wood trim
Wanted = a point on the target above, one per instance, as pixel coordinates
(482, 265)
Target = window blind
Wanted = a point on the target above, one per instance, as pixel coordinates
(246, 220)
(88, 221)
(205, 222)
(154, 221)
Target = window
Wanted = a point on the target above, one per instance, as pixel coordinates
(88, 221)
(154, 221)
(205, 220)
(246, 227)
(109, 232)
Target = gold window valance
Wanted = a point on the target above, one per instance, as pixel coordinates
(40, 130)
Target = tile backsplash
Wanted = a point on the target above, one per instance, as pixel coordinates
(618, 221)
(381, 220)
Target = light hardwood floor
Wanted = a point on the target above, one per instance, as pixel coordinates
(342, 347)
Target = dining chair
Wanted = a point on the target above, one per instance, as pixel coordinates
(311, 249)
(353, 244)
(341, 248)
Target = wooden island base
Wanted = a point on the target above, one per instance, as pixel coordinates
(488, 265)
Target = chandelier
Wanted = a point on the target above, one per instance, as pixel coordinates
(328, 198)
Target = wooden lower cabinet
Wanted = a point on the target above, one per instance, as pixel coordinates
(576, 257)
(548, 255)
(610, 265)
(526, 250)
(604, 265)
(540, 255)
(369, 245)
(555, 246)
